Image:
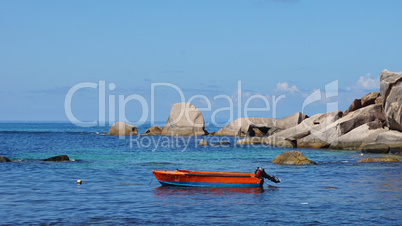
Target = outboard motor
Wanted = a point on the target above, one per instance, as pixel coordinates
(260, 173)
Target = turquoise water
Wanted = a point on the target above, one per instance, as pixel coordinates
(119, 188)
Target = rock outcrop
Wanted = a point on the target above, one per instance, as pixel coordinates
(358, 137)
(59, 158)
(366, 100)
(323, 137)
(203, 143)
(392, 138)
(290, 121)
(321, 130)
(362, 124)
(369, 99)
(154, 130)
(376, 148)
(356, 104)
(184, 120)
(292, 158)
(360, 117)
(255, 131)
(122, 129)
(372, 123)
(316, 122)
(250, 141)
(260, 126)
(379, 160)
(240, 126)
(391, 95)
(273, 141)
(4, 159)
(280, 142)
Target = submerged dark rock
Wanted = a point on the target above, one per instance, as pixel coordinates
(379, 160)
(223, 143)
(59, 158)
(4, 159)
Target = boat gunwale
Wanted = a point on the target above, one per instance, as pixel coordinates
(204, 173)
(217, 175)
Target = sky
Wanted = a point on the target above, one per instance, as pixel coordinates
(95, 61)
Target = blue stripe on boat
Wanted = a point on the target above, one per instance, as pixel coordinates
(203, 184)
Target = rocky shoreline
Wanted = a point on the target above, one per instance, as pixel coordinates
(372, 123)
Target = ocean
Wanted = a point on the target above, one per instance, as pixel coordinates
(118, 186)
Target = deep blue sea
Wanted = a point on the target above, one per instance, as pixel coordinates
(119, 188)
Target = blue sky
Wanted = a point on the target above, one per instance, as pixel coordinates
(274, 48)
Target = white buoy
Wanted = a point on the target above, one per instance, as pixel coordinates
(79, 181)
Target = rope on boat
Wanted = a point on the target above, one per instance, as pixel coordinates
(152, 178)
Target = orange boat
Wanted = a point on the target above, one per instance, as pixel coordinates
(189, 178)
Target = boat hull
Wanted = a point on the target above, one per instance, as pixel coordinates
(187, 178)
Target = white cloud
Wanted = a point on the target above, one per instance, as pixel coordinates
(247, 94)
(365, 82)
(284, 86)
